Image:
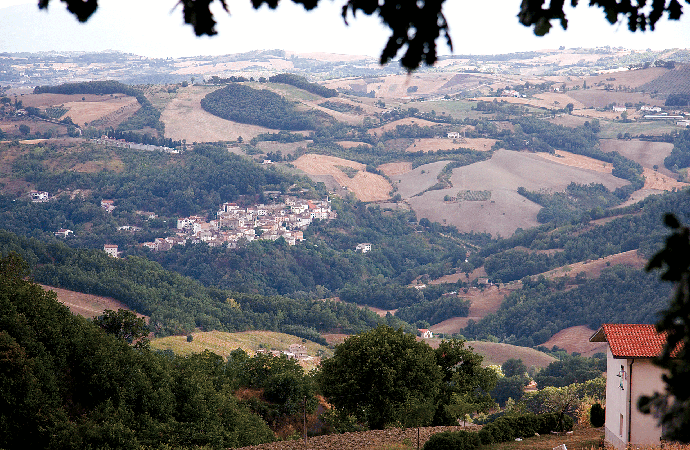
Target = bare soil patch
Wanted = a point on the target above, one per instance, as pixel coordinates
(502, 175)
(433, 144)
(367, 187)
(576, 339)
(594, 268)
(482, 303)
(87, 305)
(185, 119)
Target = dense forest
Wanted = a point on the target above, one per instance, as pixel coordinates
(532, 314)
(302, 83)
(243, 104)
(178, 304)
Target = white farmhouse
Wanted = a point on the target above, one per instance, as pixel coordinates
(630, 374)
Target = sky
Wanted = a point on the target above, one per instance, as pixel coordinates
(154, 28)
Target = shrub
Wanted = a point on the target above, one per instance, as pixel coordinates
(453, 440)
(597, 415)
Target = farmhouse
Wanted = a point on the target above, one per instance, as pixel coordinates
(363, 247)
(630, 374)
(111, 250)
(425, 334)
(63, 232)
(39, 196)
(453, 135)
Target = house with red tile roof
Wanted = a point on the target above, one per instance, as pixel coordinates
(630, 374)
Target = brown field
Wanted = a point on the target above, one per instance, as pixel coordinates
(502, 175)
(547, 100)
(393, 169)
(594, 268)
(630, 78)
(184, 119)
(417, 180)
(427, 144)
(579, 161)
(576, 339)
(406, 121)
(482, 303)
(89, 111)
(367, 187)
(87, 305)
(598, 98)
(647, 154)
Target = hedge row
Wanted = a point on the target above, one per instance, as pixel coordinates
(503, 429)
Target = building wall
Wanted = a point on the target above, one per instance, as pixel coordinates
(646, 379)
(621, 404)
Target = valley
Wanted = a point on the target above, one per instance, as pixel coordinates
(251, 205)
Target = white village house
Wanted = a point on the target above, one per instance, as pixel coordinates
(630, 374)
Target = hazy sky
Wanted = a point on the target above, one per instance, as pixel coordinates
(154, 28)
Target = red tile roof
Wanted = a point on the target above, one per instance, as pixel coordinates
(631, 340)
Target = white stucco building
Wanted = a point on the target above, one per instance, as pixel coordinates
(630, 374)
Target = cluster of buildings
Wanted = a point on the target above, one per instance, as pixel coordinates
(295, 351)
(269, 222)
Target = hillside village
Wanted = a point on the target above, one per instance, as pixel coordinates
(512, 203)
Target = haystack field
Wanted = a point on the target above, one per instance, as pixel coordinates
(185, 119)
(433, 144)
(660, 182)
(367, 187)
(576, 339)
(502, 175)
(579, 161)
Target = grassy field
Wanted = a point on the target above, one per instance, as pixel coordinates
(610, 130)
(222, 343)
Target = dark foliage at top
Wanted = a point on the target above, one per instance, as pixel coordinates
(302, 83)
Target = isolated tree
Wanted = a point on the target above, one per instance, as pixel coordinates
(24, 129)
(513, 367)
(417, 25)
(380, 375)
(123, 324)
